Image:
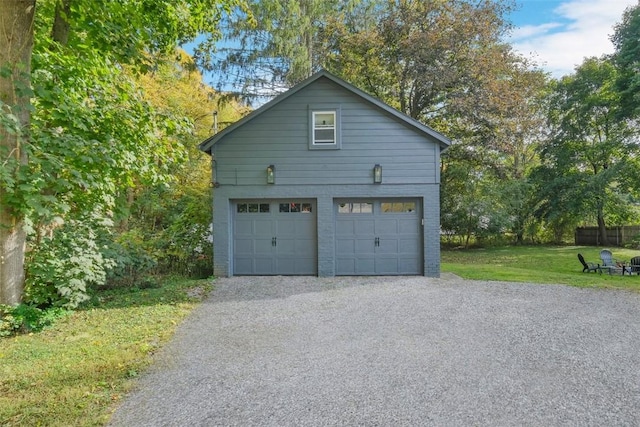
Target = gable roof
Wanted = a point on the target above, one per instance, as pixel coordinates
(208, 143)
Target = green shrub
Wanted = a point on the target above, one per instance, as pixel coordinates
(131, 259)
(634, 243)
(26, 318)
(172, 226)
(63, 266)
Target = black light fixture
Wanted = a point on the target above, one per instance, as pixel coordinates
(271, 174)
(377, 174)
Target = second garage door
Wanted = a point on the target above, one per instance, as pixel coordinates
(378, 237)
(275, 237)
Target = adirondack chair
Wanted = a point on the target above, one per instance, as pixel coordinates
(634, 265)
(610, 264)
(589, 266)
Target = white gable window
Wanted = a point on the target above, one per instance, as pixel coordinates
(324, 127)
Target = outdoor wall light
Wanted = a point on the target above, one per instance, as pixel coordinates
(271, 174)
(377, 174)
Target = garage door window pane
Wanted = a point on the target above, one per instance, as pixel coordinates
(349, 208)
(398, 207)
(296, 207)
(252, 208)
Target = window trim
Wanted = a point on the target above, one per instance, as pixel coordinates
(315, 109)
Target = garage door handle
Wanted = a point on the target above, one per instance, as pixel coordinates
(377, 241)
(274, 241)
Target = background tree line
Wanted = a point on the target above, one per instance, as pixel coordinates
(100, 114)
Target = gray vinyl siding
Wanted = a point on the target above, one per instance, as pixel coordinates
(369, 136)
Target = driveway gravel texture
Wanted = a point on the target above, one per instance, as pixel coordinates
(396, 351)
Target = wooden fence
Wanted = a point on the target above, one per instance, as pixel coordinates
(618, 236)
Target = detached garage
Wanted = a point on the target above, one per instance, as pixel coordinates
(326, 180)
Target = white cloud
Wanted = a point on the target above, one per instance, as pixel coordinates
(582, 29)
(528, 31)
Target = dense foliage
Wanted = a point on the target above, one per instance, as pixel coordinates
(116, 114)
(626, 40)
(591, 158)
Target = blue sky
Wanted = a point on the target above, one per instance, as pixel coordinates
(559, 34)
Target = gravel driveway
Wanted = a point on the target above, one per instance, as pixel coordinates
(389, 351)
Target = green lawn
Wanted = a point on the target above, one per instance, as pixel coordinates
(75, 372)
(537, 264)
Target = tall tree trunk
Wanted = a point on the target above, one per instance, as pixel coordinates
(602, 228)
(60, 30)
(16, 45)
(305, 10)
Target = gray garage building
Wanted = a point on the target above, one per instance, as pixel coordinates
(326, 180)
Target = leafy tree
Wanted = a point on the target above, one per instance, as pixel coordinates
(91, 134)
(432, 60)
(590, 162)
(92, 140)
(16, 44)
(171, 223)
(280, 46)
(444, 64)
(518, 129)
(626, 40)
(63, 268)
(472, 208)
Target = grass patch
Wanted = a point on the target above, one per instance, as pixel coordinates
(74, 372)
(538, 264)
